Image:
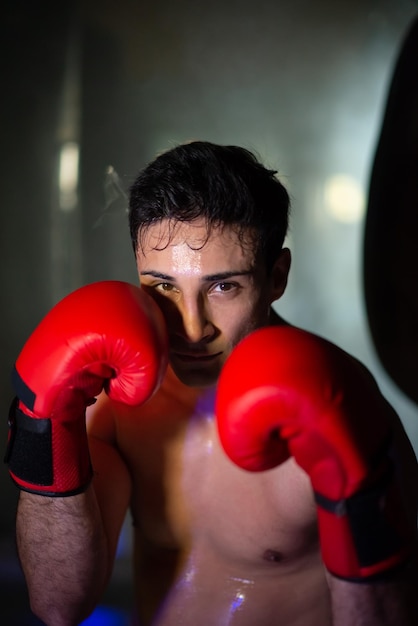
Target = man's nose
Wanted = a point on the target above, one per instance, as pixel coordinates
(195, 324)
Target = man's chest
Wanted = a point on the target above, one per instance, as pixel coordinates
(187, 490)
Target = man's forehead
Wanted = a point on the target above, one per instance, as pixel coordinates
(191, 249)
(174, 233)
(195, 235)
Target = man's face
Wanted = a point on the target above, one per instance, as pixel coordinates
(212, 291)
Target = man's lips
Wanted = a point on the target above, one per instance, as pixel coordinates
(194, 357)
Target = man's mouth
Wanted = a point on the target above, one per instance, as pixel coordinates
(195, 357)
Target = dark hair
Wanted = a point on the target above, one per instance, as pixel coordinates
(226, 185)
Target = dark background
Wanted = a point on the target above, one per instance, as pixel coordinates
(301, 82)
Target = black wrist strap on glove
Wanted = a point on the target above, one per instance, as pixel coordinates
(29, 447)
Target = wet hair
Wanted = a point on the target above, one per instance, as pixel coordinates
(225, 185)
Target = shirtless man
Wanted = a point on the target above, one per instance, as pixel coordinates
(214, 544)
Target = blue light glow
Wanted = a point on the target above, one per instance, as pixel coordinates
(107, 616)
(239, 599)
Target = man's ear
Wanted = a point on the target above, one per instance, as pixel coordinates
(280, 273)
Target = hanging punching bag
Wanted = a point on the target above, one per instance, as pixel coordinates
(391, 228)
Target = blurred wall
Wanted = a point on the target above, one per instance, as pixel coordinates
(303, 83)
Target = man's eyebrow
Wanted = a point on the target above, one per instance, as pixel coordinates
(159, 275)
(208, 278)
(226, 275)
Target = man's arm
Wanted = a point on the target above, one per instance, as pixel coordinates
(67, 545)
(285, 391)
(63, 552)
(110, 336)
(386, 603)
(392, 601)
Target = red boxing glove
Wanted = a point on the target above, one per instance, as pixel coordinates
(285, 392)
(108, 335)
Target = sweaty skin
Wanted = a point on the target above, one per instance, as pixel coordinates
(213, 545)
(213, 290)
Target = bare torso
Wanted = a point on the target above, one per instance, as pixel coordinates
(216, 545)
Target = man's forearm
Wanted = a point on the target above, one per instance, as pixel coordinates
(63, 552)
(386, 603)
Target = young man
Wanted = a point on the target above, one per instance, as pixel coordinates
(322, 532)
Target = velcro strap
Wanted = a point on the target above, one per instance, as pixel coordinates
(368, 512)
(29, 448)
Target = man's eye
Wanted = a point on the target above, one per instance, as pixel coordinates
(165, 287)
(225, 287)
